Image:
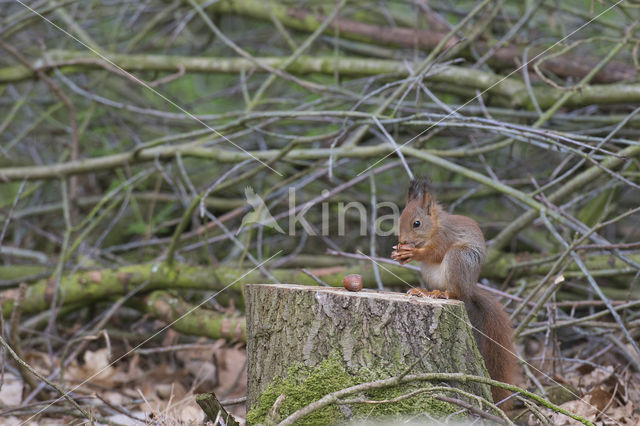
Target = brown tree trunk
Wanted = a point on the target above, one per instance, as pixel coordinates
(372, 335)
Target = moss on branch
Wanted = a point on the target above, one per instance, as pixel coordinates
(193, 319)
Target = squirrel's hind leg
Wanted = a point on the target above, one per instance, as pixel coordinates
(461, 270)
(423, 292)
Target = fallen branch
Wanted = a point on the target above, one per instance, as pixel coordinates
(507, 56)
(214, 409)
(102, 284)
(509, 90)
(192, 320)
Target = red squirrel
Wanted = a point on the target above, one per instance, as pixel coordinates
(451, 251)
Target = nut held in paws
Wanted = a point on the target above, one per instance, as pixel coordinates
(352, 282)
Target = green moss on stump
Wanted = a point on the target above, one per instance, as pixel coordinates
(304, 385)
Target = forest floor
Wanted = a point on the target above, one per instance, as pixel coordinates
(146, 388)
(158, 385)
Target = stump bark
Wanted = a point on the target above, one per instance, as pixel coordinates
(305, 342)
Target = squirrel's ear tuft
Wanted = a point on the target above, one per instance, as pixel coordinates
(420, 190)
(417, 187)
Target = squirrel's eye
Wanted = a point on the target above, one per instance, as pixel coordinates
(416, 223)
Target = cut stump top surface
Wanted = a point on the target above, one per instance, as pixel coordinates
(364, 293)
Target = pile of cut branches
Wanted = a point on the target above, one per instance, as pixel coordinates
(156, 156)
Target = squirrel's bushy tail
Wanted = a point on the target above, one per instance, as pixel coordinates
(494, 337)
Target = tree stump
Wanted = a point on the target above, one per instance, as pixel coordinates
(304, 342)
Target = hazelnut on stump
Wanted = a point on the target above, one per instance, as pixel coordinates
(352, 282)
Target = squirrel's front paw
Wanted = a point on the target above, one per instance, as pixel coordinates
(403, 253)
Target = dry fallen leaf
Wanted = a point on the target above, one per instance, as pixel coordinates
(595, 377)
(114, 398)
(11, 392)
(623, 414)
(122, 419)
(170, 391)
(96, 366)
(15, 421)
(599, 397)
(581, 407)
(191, 413)
(199, 363)
(231, 368)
